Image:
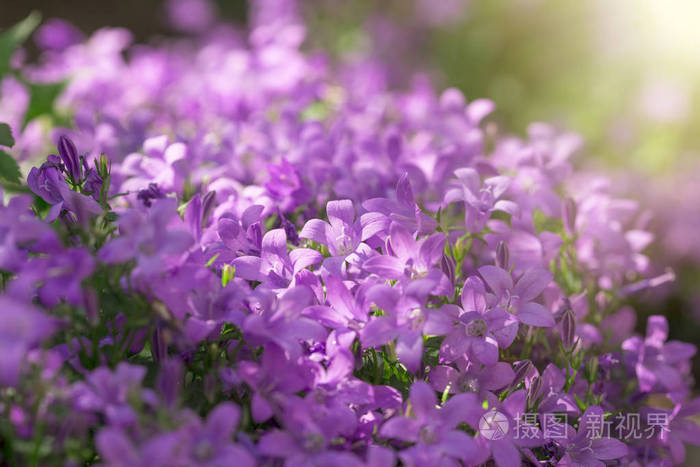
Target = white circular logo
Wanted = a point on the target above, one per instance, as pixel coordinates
(493, 425)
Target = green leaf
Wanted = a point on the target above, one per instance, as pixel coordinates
(14, 37)
(227, 274)
(543, 222)
(6, 138)
(318, 110)
(9, 170)
(42, 99)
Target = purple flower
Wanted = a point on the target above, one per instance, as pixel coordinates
(49, 183)
(518, 298)
(478, 331)
(193, 16)
(276, 267)
(46, 181)
(22, 232)
(286, 186)
(155, 239)
(198, 212)
(507, 449)
(381, 212)
(433, 429)
(410, 259)
(590, 445)
(279, 321)
(657, 363)
(239, 236)
(62, 276)
(273, 382)
(147, 195)
(22, 328)
(118, 450)
(209, 444)
(73, 164)
(57, 34)
(675, 428)
(407, 318)
(342, 234)
(345, 311)
(551, 394)
(479, 201)
(93, 184)
(109, 393)
(471, 377)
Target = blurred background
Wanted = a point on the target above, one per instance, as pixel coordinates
(624, 74)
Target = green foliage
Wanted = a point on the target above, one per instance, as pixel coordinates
(42, 98)
(544, 223)
(9, 170)
(14, 37)
(6, 138)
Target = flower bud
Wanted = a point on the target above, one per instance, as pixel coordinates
(93, 184)
(522, 369)
(568, 329)
(447, 264)
(71, 160)
(103, 166)
(534, 390)
(502, 255)
(289, 229)
(208, 204)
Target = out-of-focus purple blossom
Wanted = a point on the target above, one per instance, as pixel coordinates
(22, 327)
(109, 393)
(154, 239)
(209, 443)
(57, 34)
(479, 201)
(180, 255)
(591, 444)
(509, 449)
(656, 362)
(191, 16)
(147, 195)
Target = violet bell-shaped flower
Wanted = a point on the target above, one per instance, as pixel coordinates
(433, 430)
(659, 364)
(480, 200)
(342, 234)
(478, 331)
(517, 298)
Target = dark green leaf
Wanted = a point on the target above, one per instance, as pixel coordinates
(14, 37)
(9, 170)
(6, 138)
(42, 99)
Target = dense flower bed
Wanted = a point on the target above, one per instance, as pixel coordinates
(240, 254)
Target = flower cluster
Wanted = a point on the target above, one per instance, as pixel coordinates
(280, 263)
